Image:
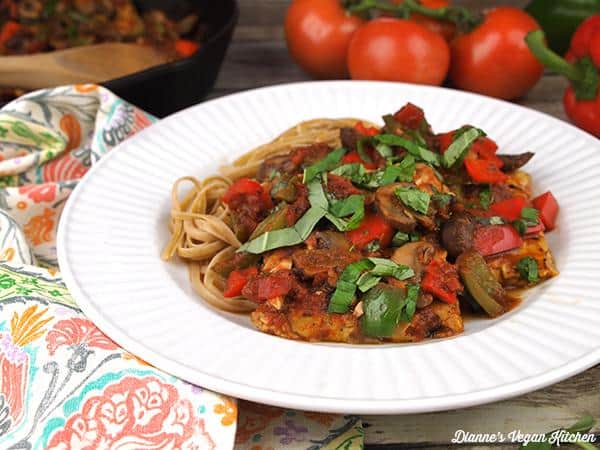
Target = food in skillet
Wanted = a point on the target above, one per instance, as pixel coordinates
(34, 26)
(343, 231)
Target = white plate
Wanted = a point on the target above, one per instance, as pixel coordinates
(114, 227)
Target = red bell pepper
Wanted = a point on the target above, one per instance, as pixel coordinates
(582, 98)
(493, 239)
(444, 141)
(186, 47)
(509, 209)
(485, 171)
(372, 228)
(237, 280)
(247, 190)
(9, 29)
(441, 280)
(354, 157)
(548, 208)
(366, 131)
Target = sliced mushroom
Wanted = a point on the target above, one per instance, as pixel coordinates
(415, 255)
(514, 162)
(457, 233)
(393, 210)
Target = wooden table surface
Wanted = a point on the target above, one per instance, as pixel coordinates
(258, 57)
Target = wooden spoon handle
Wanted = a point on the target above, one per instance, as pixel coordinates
(90, 64)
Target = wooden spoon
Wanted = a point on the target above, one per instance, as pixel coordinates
(87, 64)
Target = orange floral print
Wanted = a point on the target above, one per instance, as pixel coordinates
(229, 411)
(39, 228)
(21, 205)
(8, 254)
(259, 447)
(253, 419)
(70, 126)
(85, 88)
(323, 419)
(131, 356)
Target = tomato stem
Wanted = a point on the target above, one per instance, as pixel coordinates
(464, 19)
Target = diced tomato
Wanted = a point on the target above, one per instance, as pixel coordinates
(493, 239)
(485, 148)
(9, 29)
(277, 284)
(237, 280)
(509, 209)
(247, 190)
(548, 208)
(441, 280)
(366, 131)
(483, 171)
(354, 157)
(410, 116)
(372, 228)
(445, 140)
(185, 47)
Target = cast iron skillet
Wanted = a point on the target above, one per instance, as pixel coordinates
(167, 88)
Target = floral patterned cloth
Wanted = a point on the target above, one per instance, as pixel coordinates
(63, 383)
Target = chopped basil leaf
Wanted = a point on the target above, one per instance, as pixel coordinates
(442, 199)
(405, 171)
(329, 162)
(367, 281)
(411, 147)
(410, 302)
(360, 148)
(357, 173)
(384, 150)
(388, 268)
(353, 205)
(400, 239)
(373, 246)
(485, 197)
(299, 232)
(345, 289)
(382, 307)
(496, 220)
(520, 226)
(528, 269)
(530, 215)
(414, 198)
(460, 146)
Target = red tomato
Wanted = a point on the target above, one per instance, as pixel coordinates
(410, 116)
(372, 228)
(484, 171)
(441, 280)
(509, 209)
(444, 28)
(318, 33)
(354, 157)
(581, 42)
(494, 239)
(398, 50)
(584, 113)
(548, 207)
(494, 59)
(237, 280)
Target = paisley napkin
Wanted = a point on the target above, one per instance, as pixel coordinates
(63, 383)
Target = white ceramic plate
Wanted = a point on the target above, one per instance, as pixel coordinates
(114, 227)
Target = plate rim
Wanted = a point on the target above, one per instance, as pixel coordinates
(299, 401)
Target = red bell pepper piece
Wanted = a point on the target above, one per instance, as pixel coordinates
(247, 190)
(372, 228)
(237, 280)
(582, 98)
(185, 47)
(484, 171)
(548, 208)
(9, 29)
(444, 141)
(366, 131)
(410, 116)
(441, 280)
(535, 229)
(509, 209)
(354, 157)
(493, 239)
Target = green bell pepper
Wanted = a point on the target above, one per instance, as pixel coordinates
(560, 18)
